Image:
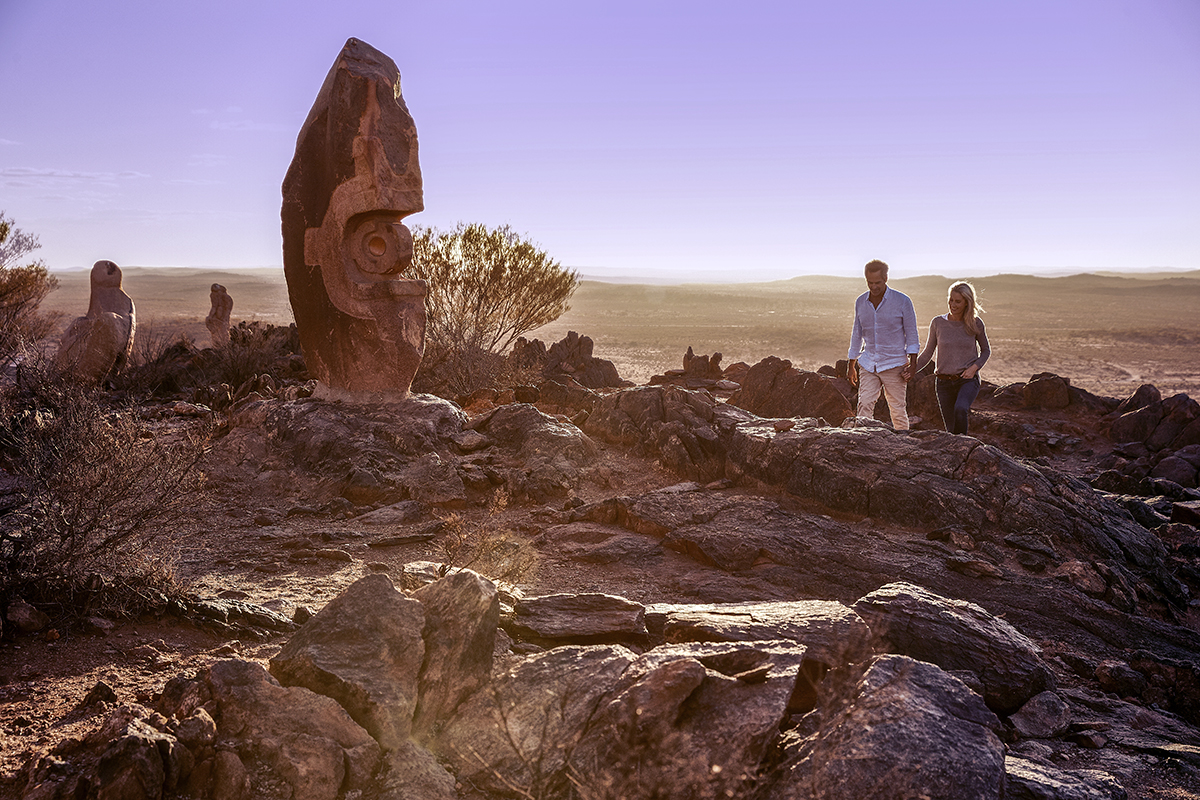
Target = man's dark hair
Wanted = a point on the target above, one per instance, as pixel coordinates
(876, 265)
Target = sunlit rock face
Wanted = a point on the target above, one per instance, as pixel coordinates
(353, 179)
(99, 343)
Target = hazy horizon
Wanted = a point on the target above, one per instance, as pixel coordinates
(617, 277)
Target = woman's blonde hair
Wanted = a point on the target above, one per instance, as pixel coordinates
(973, 310)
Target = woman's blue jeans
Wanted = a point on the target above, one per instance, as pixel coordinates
(955, 396)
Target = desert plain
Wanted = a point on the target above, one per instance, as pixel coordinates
(1109, 333)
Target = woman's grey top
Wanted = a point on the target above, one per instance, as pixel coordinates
(957, 348)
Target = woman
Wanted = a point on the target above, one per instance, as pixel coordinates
(962, 349)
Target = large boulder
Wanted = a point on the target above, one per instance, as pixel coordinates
(1145, 395)
(653, 736)
(461, 614)
(1047, 390)
(520, 730)
(904, 729)
(1137, 425)
(365, 650)
(25, 617)
(957, 635)
(306, 739)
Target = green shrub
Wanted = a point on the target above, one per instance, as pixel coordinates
(22, 289)
(487, 286)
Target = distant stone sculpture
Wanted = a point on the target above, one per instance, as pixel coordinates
(217, 320)
(354, 177)
(98, 344)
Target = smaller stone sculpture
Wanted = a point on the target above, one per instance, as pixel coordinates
(217, 320)
(98, 344)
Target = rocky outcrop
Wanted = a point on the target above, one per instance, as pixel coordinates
(571, 357)
(603, 716)
(230, 732)
(932, 563)
(421, 449)
(774, 388)
(1156, 447)
(699, 372)
(925, 478)
(770, 551)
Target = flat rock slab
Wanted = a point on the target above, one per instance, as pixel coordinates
(405, 512)
(578, 619)
(1031, 781)
(832, 633)
(595, 543)
(659, 513)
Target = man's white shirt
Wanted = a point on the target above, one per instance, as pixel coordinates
(884, 337)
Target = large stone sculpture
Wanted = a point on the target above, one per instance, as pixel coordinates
(99, 343)
(354, 177)
(217, 320)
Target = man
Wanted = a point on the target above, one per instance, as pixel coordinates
(883, 346)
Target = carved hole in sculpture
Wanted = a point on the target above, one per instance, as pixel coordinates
(378, 243)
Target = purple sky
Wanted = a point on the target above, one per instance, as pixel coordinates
(684, 140)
